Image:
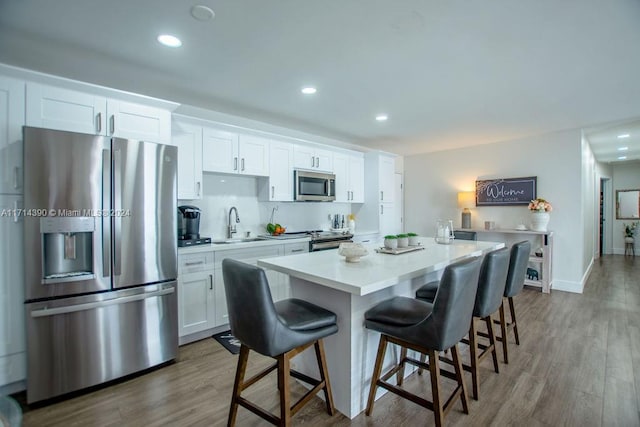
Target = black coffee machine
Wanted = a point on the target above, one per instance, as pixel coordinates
(189, 227)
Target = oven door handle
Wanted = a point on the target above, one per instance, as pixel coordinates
(319, 246)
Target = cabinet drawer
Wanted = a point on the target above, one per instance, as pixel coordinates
(296, 248)
(250, 256)
(191, 263)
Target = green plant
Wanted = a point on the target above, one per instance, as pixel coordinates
(401, 236)
(630, 230)
(412, 235)
(390, 236)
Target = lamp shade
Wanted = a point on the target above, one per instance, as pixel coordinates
(466, 199)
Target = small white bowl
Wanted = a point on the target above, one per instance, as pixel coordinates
(352, 251)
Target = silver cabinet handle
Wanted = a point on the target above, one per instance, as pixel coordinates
(235, 163)
(113, 124)
(382, 195)
(99, 122)
(242, 164)
(198, 188)
(273, 191)
(313, 161)
(317, 162)
(211, 282)
(381, 209)
(297, 250)
(16, 174)
(193, 263)
(43, 312)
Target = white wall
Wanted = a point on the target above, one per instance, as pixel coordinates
(221, 192)
(589, 218)
(626, 176)
(605, 171)
(433, 180)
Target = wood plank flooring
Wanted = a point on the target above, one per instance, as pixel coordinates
(578, 364)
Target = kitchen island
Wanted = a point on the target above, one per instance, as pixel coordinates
(350, 289)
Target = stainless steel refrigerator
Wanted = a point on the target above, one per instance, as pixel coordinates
(101, 259)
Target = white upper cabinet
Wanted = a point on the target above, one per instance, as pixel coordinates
(280, 182)
(228, 152)
(11, 122)
(188, 139)
(312, 158)
(219, 151)
(63, 109)
(349, 171)
(386, 179)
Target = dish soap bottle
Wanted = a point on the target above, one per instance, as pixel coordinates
(351, 224)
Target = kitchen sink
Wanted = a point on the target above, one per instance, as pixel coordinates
(225, 242)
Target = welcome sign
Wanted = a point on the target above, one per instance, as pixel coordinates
(506, 191)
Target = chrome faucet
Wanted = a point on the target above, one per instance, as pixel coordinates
(231, 229)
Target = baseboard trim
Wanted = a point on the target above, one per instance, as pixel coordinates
(571, 286)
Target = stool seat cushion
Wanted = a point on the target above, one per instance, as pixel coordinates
(300, 315)
(428, 291)
(399, 311)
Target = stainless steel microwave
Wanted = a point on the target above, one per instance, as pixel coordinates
(314, 186)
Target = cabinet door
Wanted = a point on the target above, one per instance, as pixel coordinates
(62, 109)
(254, 155)
(341, 170)
(12, 330)
(141, 122)
(188, 139)
(324, 160)
(222, 313)
(387, 179)
(356, 178)
(303, 157)
(387, 219)
(11, 122)
(196, 302)
(280, 172)
(219, 151)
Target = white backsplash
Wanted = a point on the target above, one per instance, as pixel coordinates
(221, 192)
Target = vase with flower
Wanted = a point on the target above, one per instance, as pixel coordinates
(540, 216)
(630, 231)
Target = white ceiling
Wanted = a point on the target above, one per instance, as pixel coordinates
(448, 73)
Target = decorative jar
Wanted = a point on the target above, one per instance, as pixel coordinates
(539, 221)
(444, 231)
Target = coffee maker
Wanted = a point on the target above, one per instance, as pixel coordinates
(189, 227)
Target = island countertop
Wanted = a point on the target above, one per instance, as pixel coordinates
(375, 271)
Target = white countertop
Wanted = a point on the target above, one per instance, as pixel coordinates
(238, 245)
(375, 271)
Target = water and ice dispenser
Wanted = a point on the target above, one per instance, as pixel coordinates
(67, 248)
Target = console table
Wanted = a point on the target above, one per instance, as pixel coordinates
(540, 268)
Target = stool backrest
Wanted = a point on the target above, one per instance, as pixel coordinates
(491, 283)
(453, 305)
(517, 268)
(252, 315)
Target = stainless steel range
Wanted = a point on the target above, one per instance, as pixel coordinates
(320, 240)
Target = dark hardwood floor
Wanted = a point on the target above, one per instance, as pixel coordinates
(578, 364)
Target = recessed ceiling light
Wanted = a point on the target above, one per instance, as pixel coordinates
(623, 148)
(308, 90)
(169, 40)
(202, 13)
(382, 117)
(622, 158)
(624, 135)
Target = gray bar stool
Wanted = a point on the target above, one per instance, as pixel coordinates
(428, 329)
(281, 331)
(515, 282)
(491, 284)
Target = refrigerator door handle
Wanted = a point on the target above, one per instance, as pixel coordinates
(106, 220)
(45, 312)
(115, 218)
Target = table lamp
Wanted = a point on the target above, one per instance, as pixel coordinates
(466, 200)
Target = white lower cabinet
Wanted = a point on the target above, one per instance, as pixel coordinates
(202, 303)
(12, 330)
